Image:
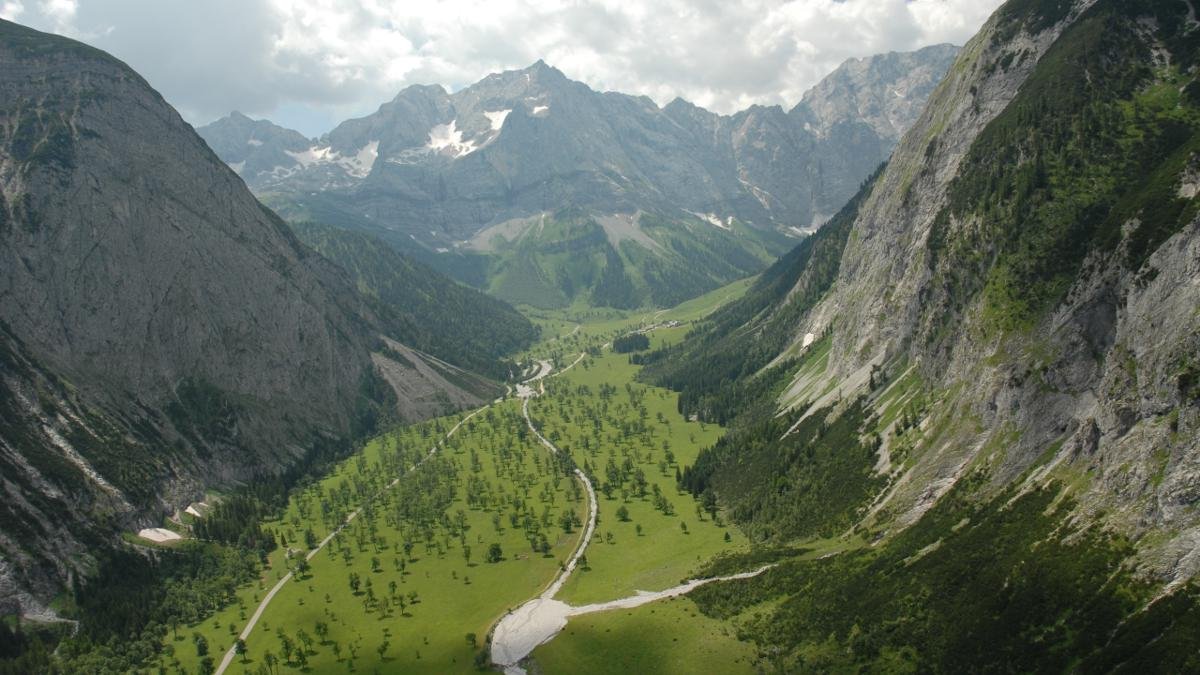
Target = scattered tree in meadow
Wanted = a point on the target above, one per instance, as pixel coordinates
(305, 639)
(495, 554)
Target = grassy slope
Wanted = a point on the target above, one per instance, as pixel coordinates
(569, 259)
(425, 309)
(982, 583)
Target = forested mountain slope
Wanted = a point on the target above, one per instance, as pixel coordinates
(984, 389)
(421, 307)
(160, 330)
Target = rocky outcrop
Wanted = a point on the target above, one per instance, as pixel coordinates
(160, 330)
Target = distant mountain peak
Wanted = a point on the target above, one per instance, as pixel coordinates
(423, 89)
(541, 66)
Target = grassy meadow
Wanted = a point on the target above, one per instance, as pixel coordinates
(444, 543)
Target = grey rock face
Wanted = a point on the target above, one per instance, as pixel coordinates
(440, 167)
(160, 329)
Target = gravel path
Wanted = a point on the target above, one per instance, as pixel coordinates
(541, 618)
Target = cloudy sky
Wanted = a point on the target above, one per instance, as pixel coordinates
(308, 64)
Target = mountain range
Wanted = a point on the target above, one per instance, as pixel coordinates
(646, 198)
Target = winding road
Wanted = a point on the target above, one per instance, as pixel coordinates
(590, 527)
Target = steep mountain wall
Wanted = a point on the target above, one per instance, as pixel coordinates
(161, 330)
(1046, 270)
(1019, 282)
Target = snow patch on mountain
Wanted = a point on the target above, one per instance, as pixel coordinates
(540, 109)
(358, 165)
(361, 164)
(713, 219)
(311, 156)
(760, 194)
(496, 117)
(447, 138)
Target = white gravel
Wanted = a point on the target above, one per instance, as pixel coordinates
(159, 534)
(538, 621)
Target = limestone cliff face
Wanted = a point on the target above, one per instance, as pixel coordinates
(1053, 317)
(160, 329)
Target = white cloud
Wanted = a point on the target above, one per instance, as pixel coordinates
(60, 12)
(11, 10)
(334, 59)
